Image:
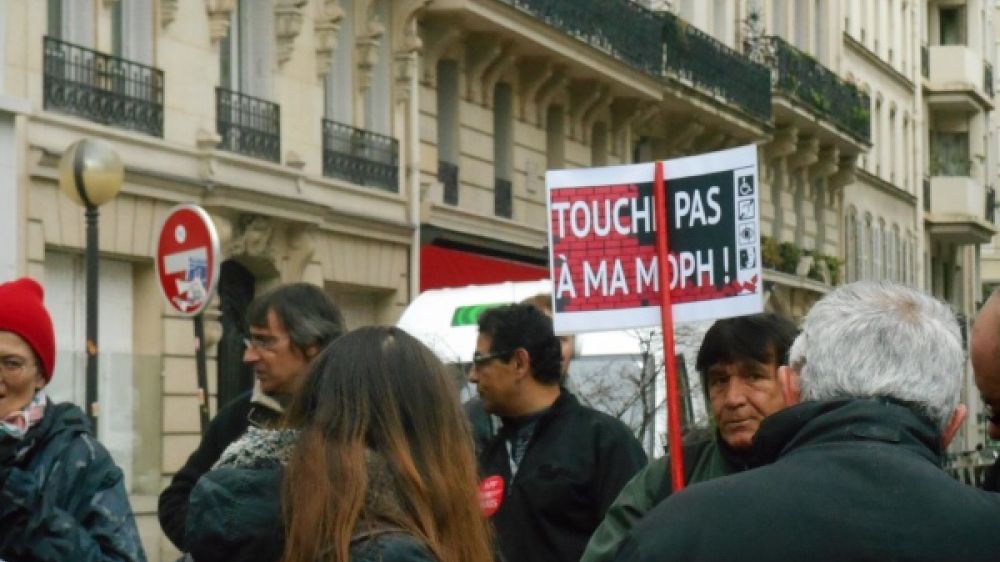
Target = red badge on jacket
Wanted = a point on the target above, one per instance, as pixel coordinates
(491, 494)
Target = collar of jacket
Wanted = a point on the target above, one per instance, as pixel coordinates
(258, 397)
(734, 459)
(63, 418)
(846, 420)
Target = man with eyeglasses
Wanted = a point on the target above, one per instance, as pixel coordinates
(61, 495)
(984, 351)
(555, 466)
(289, 326)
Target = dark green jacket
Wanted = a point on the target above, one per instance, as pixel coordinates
(849, 479)
(62, 497)
(703, 460)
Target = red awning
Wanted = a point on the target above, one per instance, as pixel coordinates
(442, 267)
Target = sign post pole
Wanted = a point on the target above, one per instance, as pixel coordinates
(202, 366)
(667, 324)
(187, 268)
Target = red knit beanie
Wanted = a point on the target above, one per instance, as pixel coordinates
(23, 313)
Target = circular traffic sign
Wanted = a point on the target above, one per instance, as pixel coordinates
(187, 259)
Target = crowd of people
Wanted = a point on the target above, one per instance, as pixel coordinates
(827, 442)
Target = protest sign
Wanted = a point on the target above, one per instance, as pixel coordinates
(602, 241)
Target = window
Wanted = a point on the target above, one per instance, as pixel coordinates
(338, 88)
(448, 128)
(949, 154)
(952, 25)
(503, 147)
(447, 110)
(894, 148)
(599, 144)
(71, 21)
(877, 246)
(246, 62)
(867, 247)
(132, 30)
(378, 100)
(851, 244)
(555, 135)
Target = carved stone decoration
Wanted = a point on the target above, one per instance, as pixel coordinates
(783, 143)
(407, 63)
(219, 13)
(288, 18)
(301, 243)
(367, 46)
(168, 11)
(326, 27)
(253, 238)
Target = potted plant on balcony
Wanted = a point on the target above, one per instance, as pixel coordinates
(790, 254)
(770, 253)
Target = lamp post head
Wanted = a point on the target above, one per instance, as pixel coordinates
(90, 172)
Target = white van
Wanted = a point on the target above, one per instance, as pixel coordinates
(619, 372)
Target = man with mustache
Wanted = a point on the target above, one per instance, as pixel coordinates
(738, 362)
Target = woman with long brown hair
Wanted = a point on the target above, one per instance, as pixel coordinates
(384, 467)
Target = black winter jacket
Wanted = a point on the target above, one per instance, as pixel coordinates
(853, 479)
(227, 426)
(62, 497)
(235, 516)
(576, 463)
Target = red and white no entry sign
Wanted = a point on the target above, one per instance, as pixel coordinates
(187, 259)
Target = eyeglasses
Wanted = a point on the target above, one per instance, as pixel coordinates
(14, 364)
(261, 342)
(480, 360)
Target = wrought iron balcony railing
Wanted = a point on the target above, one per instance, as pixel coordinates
(360, 156)
(925, 61)
(102, 88)
(711, 65)
(621, 28)
(448, 176)
(503, 199)
(988, 79)
(990, 212)
(248, 125)
(803, 78)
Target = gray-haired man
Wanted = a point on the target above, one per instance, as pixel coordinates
(855, 469)
(289, 325)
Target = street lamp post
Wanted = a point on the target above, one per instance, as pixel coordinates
(91, 173)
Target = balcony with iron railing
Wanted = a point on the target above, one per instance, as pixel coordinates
(659, 44)
(448, 176)
(803, 78)
(620, 28)
(360, 156)
(248, 125)
(503, 198)
(102, 88)
(710, 65)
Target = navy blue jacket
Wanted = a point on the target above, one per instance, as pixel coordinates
(62, 496)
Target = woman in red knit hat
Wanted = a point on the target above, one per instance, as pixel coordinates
(61, 495)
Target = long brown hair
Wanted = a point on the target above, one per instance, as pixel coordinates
(379, 391)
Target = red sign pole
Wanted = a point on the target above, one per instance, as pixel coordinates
(667, 323)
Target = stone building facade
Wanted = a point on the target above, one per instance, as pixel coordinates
(361, 144)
